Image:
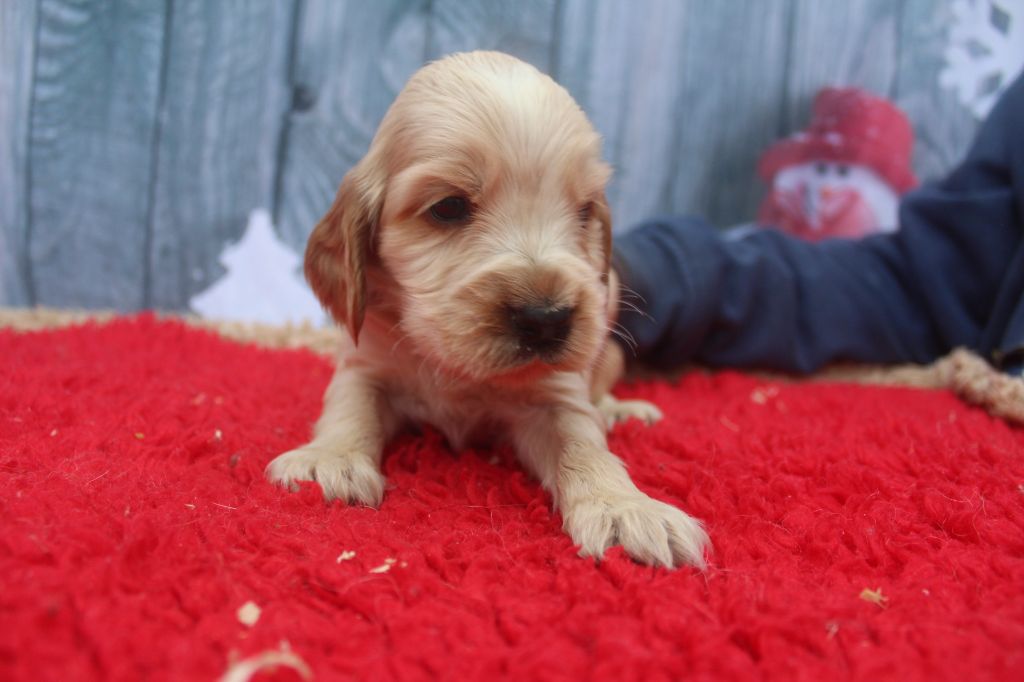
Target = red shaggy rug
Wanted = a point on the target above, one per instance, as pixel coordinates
(860, 533)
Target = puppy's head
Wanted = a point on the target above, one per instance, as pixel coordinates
(481, 203)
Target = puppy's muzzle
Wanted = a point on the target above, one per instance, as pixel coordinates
(541, 329)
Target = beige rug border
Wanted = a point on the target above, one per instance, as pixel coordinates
(963, 372)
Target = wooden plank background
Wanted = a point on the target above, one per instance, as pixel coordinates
(137, 135)
(95, 102)
(17, 60)
(226, 95)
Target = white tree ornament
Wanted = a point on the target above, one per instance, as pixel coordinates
(262, 283)
(984, 51)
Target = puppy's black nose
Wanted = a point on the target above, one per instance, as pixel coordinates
(542, 328)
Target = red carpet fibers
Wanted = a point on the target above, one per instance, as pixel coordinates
(135, 521)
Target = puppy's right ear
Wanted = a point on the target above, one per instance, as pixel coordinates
(604, 216)
(338, 252)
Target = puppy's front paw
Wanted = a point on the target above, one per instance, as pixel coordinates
(650, 531)
(352, 478)
(615, 410)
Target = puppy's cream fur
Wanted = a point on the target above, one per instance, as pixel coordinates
(426, 303)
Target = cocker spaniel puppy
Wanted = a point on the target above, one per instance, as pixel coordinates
(467, 254)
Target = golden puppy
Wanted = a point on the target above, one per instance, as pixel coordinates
(467, 255)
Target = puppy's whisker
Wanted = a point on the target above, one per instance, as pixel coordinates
(628, 305)
(627, 294)
(624, 288)
(398, 341)
(638, 311)
(620, 332)
(630, 347)
(623, 333)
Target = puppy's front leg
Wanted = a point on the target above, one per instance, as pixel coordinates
(348, 441)
(564, 444)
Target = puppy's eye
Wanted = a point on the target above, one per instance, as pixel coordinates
(586, 211)
(451, 210)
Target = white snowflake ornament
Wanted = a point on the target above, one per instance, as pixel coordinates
(984, 52)
(263, 282)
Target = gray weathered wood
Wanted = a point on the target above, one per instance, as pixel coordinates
(525, 28)
(727, 108)
(94, 119)
(612, 59)
(943, 128)
(351, 59)
(226, 96)
(17, 50)
(684, 98)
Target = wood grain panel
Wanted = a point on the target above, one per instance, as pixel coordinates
(352, 58)
(623, 70)
(227, 93)
(727, 108)
(93, 125)
(684, 98)
(525, 28)
(17, 60)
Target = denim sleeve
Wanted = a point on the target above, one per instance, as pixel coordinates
(763, 299)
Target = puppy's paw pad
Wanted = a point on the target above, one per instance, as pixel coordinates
(352, 478)
(650, 531)
(615, 410)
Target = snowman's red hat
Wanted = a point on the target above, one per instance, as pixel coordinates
(853, 126)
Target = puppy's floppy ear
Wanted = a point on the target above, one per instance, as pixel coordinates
(338, 252)
(603, 214)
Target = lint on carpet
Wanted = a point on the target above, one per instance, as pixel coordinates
(860, 532)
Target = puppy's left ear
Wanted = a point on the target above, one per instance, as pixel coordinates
(603, 214)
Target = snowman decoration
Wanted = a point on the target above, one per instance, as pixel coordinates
(844, 175)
